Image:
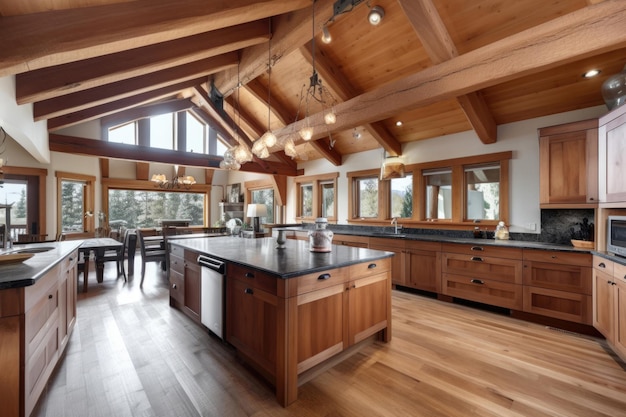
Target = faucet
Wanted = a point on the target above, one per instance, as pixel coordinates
(394, 222)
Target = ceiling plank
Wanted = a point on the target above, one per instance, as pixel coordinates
(117, 106)
(82, 100)
(289, 32)
(52, 38)
(438, 44)
(337, 81)
(586, 32)
(68, 78)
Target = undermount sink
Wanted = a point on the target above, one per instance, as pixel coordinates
(34, 250)
(396, 235)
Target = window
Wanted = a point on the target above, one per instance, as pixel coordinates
(401, 197)
(141, 208)
(438, 194)
(196, 134)
(264, 196)
(14, 193)
(316, 196)
(75, 199)
(306, 200)
(483, 192)
(162, 131)
(367, 197)
(126, 133)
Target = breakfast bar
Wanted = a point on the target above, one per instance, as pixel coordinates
(288, 311)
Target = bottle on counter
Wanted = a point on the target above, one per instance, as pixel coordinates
(502, 232)
(320, 239)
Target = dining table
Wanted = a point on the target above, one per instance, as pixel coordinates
(99, 246)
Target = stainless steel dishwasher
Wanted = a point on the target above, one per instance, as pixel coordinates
(212, 294)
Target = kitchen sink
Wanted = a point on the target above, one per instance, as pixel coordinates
(396, 235)
(39, 249)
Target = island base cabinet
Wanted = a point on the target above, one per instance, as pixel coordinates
(368, 311)
(620, 312)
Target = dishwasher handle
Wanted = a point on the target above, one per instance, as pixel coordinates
(212, 263)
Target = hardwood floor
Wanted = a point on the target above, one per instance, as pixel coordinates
(132, 355)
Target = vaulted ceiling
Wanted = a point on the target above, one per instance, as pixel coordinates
(438, 66)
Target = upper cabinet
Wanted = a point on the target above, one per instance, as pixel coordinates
(568, 161)
(612, 146)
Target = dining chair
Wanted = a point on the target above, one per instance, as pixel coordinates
(149, 254)
(117, 256)
(82, 266)
(128, 251)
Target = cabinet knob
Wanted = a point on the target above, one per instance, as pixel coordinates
(248, 291)
(476, 258)
(249, 275)
(477, 281)
(553, 257)
(174, 286)
(49, 296)
(478, 248)
(609, 282)
(323, 277)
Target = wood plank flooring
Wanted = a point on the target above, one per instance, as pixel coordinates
(132, 355)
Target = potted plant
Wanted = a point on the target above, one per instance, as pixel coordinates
(582, 234)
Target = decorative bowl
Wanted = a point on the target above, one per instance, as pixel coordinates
(586, 244)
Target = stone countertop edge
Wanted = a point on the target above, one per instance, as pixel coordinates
(26, 273)
(447, 239)
(294, 260)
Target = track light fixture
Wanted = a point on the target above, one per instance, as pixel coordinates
(326, 38)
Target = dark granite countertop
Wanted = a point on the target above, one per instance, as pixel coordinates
(294, 260)
(450, 239)
(23, 274)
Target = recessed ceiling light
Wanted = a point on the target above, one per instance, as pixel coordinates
(591, 73)
(399, 123)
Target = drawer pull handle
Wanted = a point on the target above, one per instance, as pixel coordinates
(49, 296)
(323, 277)
(601, 265)
(609, 282)
(248, 291)
(174, 286)
(479, 248)
(477, 281)
(371, 266)
(249, 275)
(477, 258)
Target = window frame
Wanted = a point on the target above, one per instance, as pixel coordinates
(36, 189)
(316, 181)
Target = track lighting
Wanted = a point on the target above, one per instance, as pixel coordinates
(326, 38)
(376, 15)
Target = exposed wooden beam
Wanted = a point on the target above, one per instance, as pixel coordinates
(116, 106)
(337, 81)
(290, 31)
(438, 44)
(208, 176)
(41, 40)
(104, 167)
(68, 78)
(580, 34)
(99, 148)
(142, 171)
(96, 96)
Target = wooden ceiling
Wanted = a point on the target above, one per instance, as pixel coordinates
(438, 66)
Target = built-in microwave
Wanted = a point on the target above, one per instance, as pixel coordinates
(616, 235)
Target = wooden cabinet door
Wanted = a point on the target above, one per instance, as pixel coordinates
(191, 290)
(320, 325)
(613, 136)
(568, 163)
(603, 303)
(423, 266)
(397, 261)
(251, 323)
(619, 306)
(368, 311)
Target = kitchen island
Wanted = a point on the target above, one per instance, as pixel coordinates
(289, 312)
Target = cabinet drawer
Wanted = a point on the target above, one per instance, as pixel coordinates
(177, 251)
(619, 272)
(40, 362)
(367, 269)
(568, 258)
(558, 304)
(482, 267)
(487, 291)
(414, 245)
(483, 250)
(252, 278)
(40, 318)
(319, 280)
(572, 278)
(177, 286)
(351, 240)
(177, 264)
(602, 264)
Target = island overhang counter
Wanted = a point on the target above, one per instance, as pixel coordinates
(289, 311)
